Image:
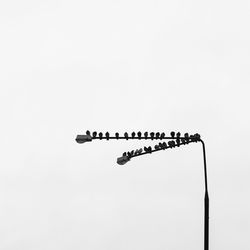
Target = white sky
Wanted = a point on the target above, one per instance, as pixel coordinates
(69, 66)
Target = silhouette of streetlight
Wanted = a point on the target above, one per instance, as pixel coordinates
(175, 141)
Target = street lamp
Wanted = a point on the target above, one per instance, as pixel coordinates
(83, 138)
(175, 141)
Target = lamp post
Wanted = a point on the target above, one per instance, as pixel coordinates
(175, 140)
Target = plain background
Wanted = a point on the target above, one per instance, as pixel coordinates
(117, 66)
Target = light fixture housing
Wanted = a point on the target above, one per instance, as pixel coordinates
(123, 160)
(83, 138)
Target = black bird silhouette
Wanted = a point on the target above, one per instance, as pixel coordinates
(117, 135)
(107, 135)
(162, 136)
(100, 135)
(186, 135)
(152, 135)
(129, 154)
(126, 135)
(139, 135)
(183, 141)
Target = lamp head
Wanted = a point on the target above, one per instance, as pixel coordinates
(122, 160)
(83, 138)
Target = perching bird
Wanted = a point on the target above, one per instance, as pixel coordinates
(172, 134)
(107, 135)
(126, 135)
(100, 135)
(139, 135)
(162, 136)
(152, 135)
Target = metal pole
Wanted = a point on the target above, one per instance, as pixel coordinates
(206, 203)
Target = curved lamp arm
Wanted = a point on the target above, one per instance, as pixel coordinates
(162, 146)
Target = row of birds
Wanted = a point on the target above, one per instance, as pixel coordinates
(147, 135)
(160, 146)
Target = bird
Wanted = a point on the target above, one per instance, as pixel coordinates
(152, 135)
(139, 135)
(126, 135)
(140, 151)
(162, 136)
(107, 135)
(157, 135)
(172, 134)
(186, 137)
